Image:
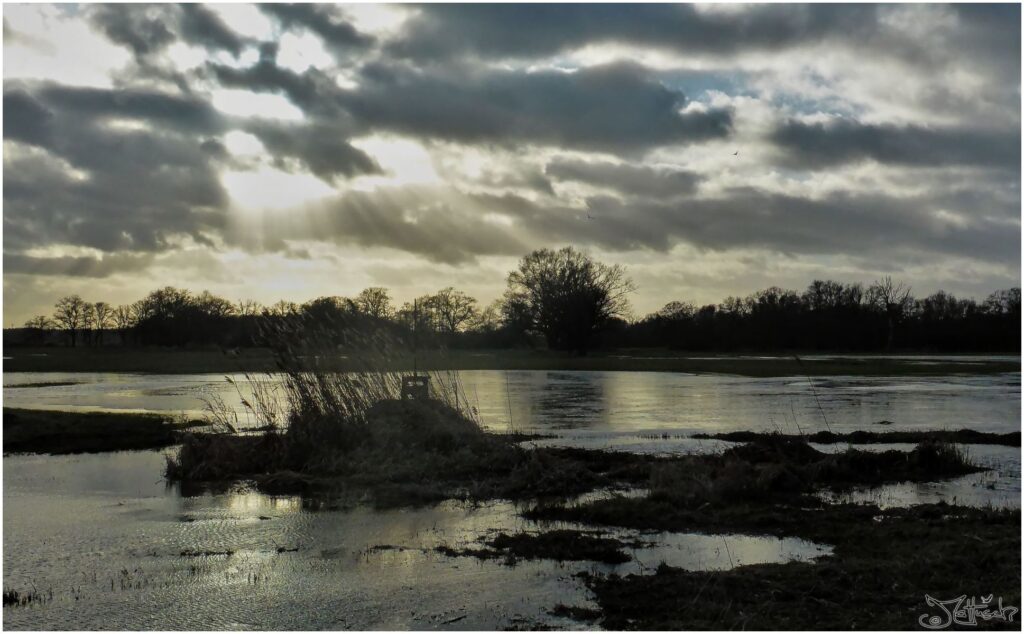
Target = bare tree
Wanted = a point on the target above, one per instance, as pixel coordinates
(570, 296)
(102, 317)
(247, 308)
(38, 328)
(454, 309)
(282, 308)
(375, 302)
(124, 320)
(71, 314)
(488, 319)
(893, 300)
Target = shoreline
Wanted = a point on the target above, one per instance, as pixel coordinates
(175, 361)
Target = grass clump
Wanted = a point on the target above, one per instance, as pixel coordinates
(777, 466)
(351, 431)
(16, 598)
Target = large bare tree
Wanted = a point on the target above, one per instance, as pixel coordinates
(375, 302)
(893, 300)
(71, 313)
(569, 296)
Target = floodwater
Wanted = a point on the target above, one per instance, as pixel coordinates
(107, 537)
(611, 405)
(104, 535)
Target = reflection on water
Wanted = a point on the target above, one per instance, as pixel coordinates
(998, 487)
(107, 537)
(616, 404)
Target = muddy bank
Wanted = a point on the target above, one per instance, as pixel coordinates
(962, 436)
(186, 361)
(410, 453)
(558, 545)
(883, 565)
(42, 431)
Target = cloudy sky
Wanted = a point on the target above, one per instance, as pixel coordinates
(286, 152)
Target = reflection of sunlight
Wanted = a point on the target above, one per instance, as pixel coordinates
(253, 501)
(269, 188)
(243, 103)
(404, 162)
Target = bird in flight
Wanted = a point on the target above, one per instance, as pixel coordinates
(736, 153)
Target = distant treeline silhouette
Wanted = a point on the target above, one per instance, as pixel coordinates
(565, 300)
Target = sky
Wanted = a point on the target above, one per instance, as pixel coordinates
(275, 152)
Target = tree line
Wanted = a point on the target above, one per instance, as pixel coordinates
(566, 300)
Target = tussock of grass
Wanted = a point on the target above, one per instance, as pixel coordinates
(776, 466)
(15, 598)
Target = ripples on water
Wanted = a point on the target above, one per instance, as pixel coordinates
(609, 403)
(106, 534)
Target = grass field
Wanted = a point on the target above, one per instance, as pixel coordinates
(40, 431)
(177, 361)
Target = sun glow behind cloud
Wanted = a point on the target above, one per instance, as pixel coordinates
(404, 161)
(459, 131)
(268, 188)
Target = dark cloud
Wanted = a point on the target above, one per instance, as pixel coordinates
(856, 224)
(143, 28)
(617, 107)
(327, 21)
(147, 29)
(158, 108)
(608, 108)
(820, 145)
(25, 119)
(77, 266)
(635, 180)
(536, 30)
(320, 148)
(313, 91)
(201, 26)
(103, 186)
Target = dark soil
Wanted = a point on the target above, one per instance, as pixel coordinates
(420, 452)
(884, 564)
(962, 436)
(560, 545)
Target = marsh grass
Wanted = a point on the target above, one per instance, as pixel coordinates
(317, 417)
(774, 466)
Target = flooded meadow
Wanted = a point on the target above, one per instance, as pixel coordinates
(103, 541)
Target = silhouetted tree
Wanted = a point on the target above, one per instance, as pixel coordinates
(375, 302)
(569, 296)
(124, 321)
(71, 313)
(454, 309)
(102, 315)
(893, 300)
